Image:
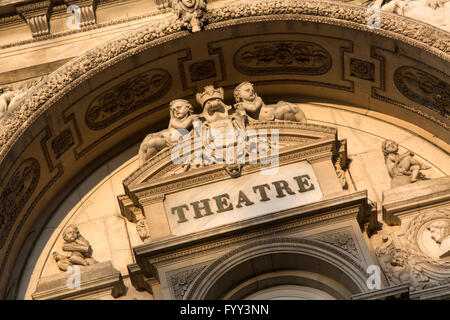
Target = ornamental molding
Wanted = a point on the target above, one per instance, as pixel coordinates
(66, 78)
(318, 220)
(278, 242)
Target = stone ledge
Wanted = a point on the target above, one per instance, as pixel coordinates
(398, 292)
(100, 277)
(413, 196)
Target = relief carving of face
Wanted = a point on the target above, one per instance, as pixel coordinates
(437, 230)
(71, 234)
(180, 109)
(188, 3)
(246, 92)
(390, 146)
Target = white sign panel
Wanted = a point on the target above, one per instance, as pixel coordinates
(242, 198)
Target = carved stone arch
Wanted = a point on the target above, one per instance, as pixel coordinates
(304, 262)
(54, 123)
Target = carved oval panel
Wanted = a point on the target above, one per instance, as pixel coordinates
(279, 57)
(423, 88)
(127, 97)
(16, 194)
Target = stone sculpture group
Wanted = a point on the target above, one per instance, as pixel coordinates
(216, 114)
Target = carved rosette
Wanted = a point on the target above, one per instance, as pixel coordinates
(362, 69)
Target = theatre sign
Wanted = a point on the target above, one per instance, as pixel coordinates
(242, 198)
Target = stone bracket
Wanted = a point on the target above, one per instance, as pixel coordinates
(37, 16)
(87, 8)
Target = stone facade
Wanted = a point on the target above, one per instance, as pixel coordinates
(94, 206)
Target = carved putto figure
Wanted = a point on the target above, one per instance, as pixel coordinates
(181, 117)
(191, 12)
(247, 100)
(78, 247)
(440, 233)
(403, 169)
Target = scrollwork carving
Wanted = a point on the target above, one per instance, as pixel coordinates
(181, 281)
(16, 193)
(280, 57)
(423, 88)
(126, 97)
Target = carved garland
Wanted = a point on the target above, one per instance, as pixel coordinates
(430, 39)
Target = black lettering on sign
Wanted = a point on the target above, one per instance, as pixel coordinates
(304, 183)
(243, 199)
(180, 212)
(222, 203)
(280, 186)
(262, 191)
(198, 209)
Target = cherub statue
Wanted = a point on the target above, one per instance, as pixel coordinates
(247, 100)
(181, 117)
(191, 12)
(403, 169)
(79, 248)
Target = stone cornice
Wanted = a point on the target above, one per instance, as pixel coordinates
(421, 35)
